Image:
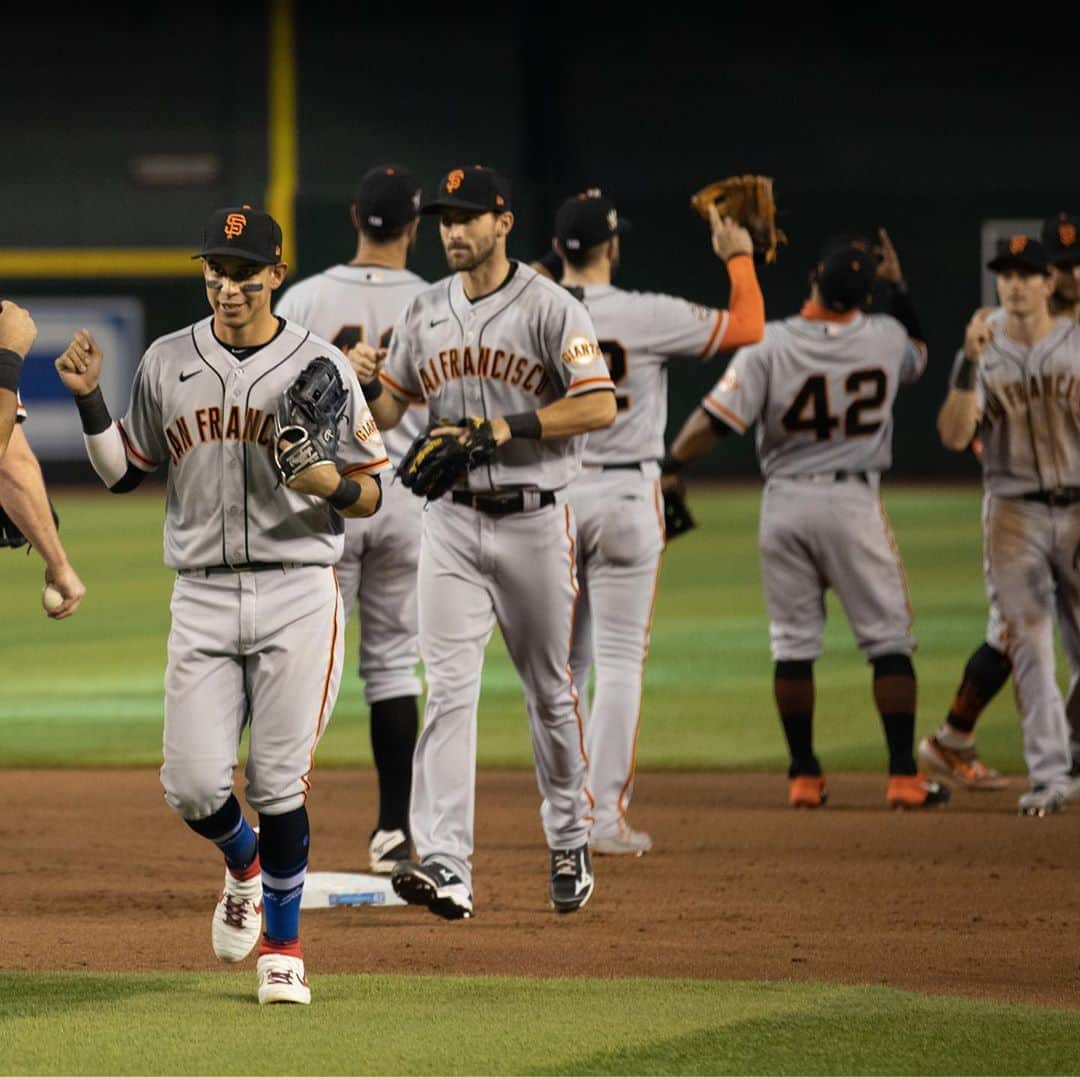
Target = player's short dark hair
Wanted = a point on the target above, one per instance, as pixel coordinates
(383, 235)
(581, 258)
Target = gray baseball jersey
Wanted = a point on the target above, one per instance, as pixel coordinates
(639, 332)
(211, 416)
(350, 304)
(525, 345)
(820, 391)
(1029, 411)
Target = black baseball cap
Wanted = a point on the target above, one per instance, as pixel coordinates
(242, 232)
(588, 219)
(845, 276)
(388, 198)
(1019, 252)
(476, 189)
(1061, 238)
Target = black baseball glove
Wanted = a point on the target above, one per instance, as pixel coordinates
(677, 517)
(11, 536)
(306, 422)
(435, 463)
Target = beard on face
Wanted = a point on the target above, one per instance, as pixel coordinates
(464, 261)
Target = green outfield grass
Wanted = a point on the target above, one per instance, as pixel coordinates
(87, 691)
(180, 1024)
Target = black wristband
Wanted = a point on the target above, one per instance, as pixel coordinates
(965, 375)
(94, 412)
(10, 369)
(670, 466)
(525, 424)
(346, 495)
(372, 389)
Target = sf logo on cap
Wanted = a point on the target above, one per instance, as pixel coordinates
(235, 224)
(1066, 234)
(453, 181)
(1017, 244)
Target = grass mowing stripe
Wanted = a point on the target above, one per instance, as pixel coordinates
(207, 1023)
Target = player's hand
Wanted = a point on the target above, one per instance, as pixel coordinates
(728, 236)
(365, 361)
(321, 480)
(80, 365)
(888, 267)
(673, 484)
(17, 329)
(978, 333)
(65, 580)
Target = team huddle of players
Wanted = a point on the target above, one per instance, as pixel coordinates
(558, 540)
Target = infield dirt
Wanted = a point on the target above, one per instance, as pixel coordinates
(970, 899)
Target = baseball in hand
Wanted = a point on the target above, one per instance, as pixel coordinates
(51, 599)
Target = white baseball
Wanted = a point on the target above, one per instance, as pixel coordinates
(51, 599)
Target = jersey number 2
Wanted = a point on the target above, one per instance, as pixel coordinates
(810, 408)
(615, 356)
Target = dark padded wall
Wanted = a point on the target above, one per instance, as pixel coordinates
(861, 120)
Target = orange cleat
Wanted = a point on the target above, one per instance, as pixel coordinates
(807, 791)
(915, 791)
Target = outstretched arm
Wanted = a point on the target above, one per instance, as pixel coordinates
(24, 498)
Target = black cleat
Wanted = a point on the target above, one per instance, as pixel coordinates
(571, 878)
(435, 885)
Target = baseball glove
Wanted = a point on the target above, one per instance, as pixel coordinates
(11, 536)
(748, 199)
(306, 422)
(437, 462)
(677, 517)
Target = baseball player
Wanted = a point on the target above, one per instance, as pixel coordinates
(257, 632)
(616, 499)
(17, 334)
(355, 306)
(1013, 387)
(496, 340)
(950, 752)
(820, 388)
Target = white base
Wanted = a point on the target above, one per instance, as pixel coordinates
(329, 889)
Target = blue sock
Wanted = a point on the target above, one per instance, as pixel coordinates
(284, 859)
(231, 833)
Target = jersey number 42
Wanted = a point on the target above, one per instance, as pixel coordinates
(810, 409)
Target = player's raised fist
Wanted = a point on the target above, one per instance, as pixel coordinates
(17, 329)
(80, 365)
(978, 333)
(365, 361)
(728, 236)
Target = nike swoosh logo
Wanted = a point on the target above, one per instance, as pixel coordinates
(184, 377)
(437, 321)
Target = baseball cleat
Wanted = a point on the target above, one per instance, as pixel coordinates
(571, 878)
(624, 842)
(1042, 800)
(281, 979)
(960, 765)
(1072, 792)
(387, 849)
(237, 922)
(807, 791)
(434, 885)
(908, 791)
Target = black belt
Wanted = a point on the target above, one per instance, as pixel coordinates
(501, 504)
(245, 566)
(833, 476)
(635, 466)
(1062, 495)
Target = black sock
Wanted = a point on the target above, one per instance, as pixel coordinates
(894, 694)
(283, 849)
(793, 689)
(985, 674)
(229, 831)
(393, 737)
